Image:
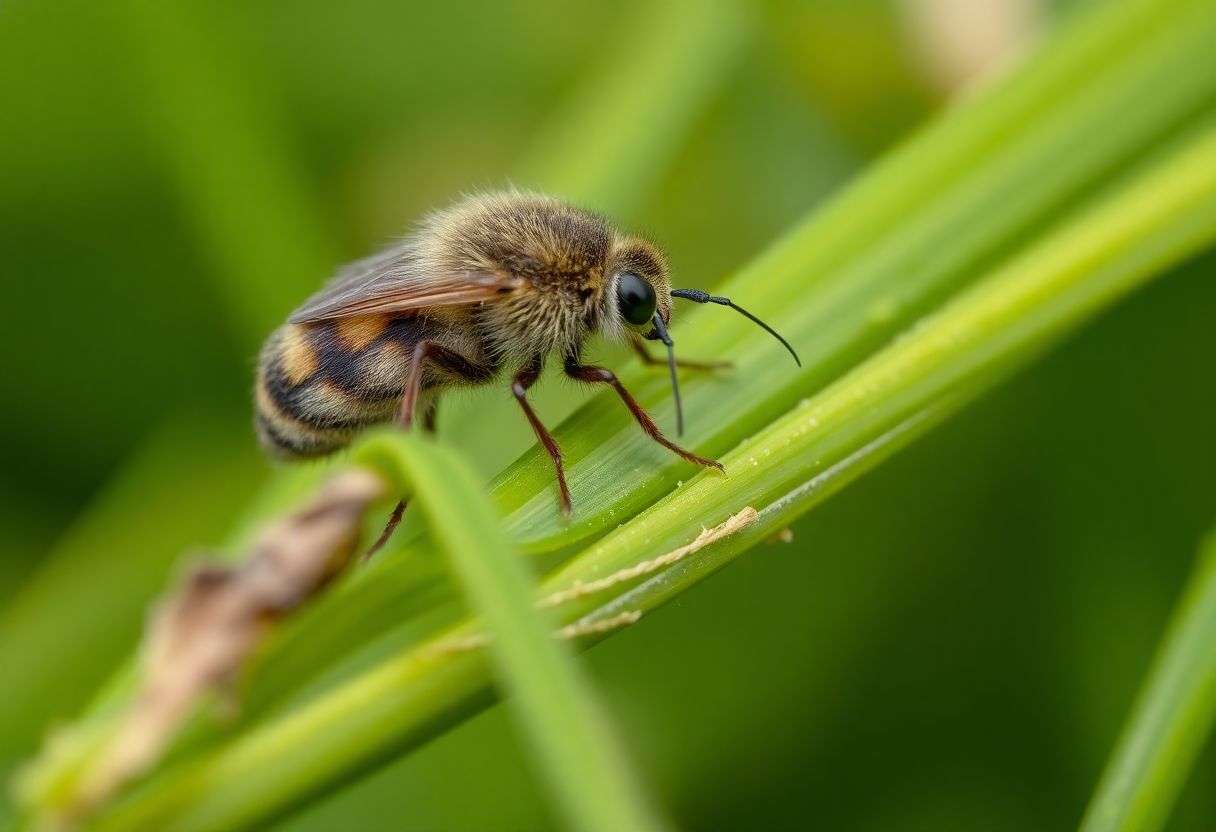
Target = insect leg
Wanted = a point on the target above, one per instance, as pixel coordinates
(600, 375)
(520, 383)
(394, 519)
(449, 359)
(446, 358)
(428, 418)
(647, 358)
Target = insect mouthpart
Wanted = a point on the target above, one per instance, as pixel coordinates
(660, 332)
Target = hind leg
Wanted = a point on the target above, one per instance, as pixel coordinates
(394, 519)
(451, 361)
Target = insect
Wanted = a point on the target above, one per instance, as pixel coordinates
(496, 283)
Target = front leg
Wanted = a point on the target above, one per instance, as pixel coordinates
(520, 383)
(600, 375)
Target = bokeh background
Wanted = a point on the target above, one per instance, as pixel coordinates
(951, 644)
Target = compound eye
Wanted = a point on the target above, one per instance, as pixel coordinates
(635, 298)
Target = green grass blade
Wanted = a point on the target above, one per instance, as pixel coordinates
(1172, 718)
(584, 769)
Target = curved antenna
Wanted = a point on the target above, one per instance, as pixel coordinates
(698, 296)
(661, 328)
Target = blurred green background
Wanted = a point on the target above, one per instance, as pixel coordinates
(958, 638)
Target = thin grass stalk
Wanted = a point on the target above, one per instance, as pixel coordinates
(1172, 718)
(559, 719)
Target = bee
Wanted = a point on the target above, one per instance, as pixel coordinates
(494, 284)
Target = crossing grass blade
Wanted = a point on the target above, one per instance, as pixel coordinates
(1172, 718)
(586, 772)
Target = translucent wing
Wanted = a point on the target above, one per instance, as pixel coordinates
(396, 281)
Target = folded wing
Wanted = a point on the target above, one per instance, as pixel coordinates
(396, 280)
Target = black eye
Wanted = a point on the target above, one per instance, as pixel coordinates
(636, 299)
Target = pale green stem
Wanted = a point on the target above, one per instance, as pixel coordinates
(1172, 718)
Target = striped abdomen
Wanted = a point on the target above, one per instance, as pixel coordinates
(320, 383)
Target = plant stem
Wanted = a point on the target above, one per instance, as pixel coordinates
(1171, 720)
(579, 757)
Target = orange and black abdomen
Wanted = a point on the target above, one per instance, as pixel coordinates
(320, 383)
